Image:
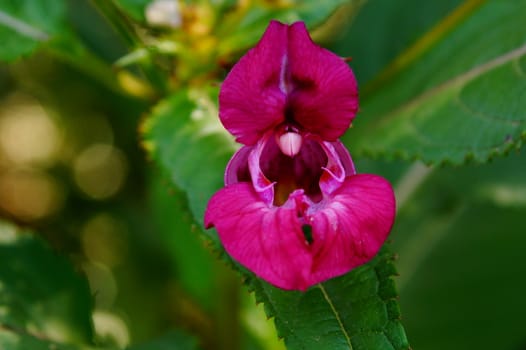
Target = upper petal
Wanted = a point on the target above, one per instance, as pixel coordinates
(267, 240)
(287, 77)
(324, 99)
(250, 99)
(352, 225)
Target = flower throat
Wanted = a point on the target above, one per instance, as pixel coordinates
(293, 162)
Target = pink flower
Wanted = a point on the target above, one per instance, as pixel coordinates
(293, 210)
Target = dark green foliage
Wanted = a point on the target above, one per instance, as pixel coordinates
(170, 341)
(460, 96)
(41, 294)
(24, 24)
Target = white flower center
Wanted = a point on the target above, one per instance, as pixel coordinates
(290, 143)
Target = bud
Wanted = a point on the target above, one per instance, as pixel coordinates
(164, 13)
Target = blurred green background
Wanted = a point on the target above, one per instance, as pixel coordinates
(72, 169)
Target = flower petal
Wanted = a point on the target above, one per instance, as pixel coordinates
(334, 172)
(251, 100)
(237, 168)
(261, 184)
(324, 100)
(267, 240)
(352, 226)
(345, 158)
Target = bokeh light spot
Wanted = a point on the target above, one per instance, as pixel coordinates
(100, 171)
(28, 135)
(7, 236)
(164, 13)
(506, 195)
(110, 326)
(30, 194)
(104, 240)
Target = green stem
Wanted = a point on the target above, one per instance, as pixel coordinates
(226, 310)
(120, 23)
(22, 28)
(125, 28)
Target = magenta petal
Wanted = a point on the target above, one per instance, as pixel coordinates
(250, 98)
(325, 96)
(334, 171)
(261, 184)
(237, 168)
(288, 100)
(350, 229)
(267, 240)
(345, 158)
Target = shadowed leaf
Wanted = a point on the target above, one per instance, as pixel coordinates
(26, 23)
(456, 95)
(461, 244)
(170, 341)
(40, 293)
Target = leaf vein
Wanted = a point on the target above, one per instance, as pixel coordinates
(481, 115)
(336, 314)
(459, 80)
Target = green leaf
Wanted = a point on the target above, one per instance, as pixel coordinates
(313, 13)
(66, 35)
(135, 8)
(26, 23)
(184, 136)
(476, 278)
(244, 29)
(204, 279)
(405, 19)
(40, 293)
(12, 340)
(194, 264)
(356, 311)
(461, 244)
(458, 94)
